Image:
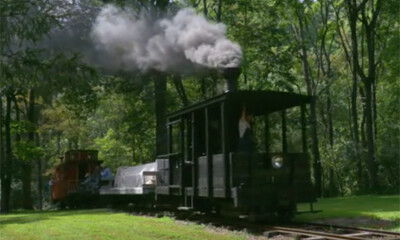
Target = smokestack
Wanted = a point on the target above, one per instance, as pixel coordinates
(231, 75)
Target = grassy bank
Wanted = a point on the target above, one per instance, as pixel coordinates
(382, 211)
(365, 211)
(100, 224)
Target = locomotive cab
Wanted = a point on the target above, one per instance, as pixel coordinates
(271, 173)
(236, 151)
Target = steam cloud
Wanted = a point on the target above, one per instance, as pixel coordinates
(170, 44)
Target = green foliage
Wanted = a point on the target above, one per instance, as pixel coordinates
(25, 21)
(266, 43)
(76, 82)
(128, 119)
(27, 151)
(388, 151)
(79, 107)
(118, 117)
(113, 152)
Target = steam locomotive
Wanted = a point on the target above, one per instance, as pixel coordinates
(238, 153)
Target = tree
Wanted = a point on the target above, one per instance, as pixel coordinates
(370, 12)
(299, 30)
(25, 67)
(6, 167)
(15, 32)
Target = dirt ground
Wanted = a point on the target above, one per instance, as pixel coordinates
(358, 222)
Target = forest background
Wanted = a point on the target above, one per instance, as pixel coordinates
(344, 53)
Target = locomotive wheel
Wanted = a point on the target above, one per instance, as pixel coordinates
(257, 214)
(62, 204)
(257, 217)
(285, 214)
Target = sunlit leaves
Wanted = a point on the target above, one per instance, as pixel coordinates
(26, 151)
(112, 151)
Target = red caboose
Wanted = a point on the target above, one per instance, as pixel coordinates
(70, 173)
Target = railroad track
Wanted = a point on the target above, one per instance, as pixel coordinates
(300, 231)
(290, 231)
(310, 231)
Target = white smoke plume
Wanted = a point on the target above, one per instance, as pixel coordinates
(178, 44)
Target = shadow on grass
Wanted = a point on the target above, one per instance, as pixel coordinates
(20, 220)
(357, 205)
(23, 217)
(366, 211)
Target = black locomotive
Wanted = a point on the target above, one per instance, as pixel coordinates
(219, 159)
(224, 156)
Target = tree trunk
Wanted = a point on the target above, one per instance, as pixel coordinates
(27, 168)
(133, 148)
(352, 16)
(369, 84)
(327, 73)
(369, 23)
(205, 10)
(374, 110)
(180, 89)
(356, 134)
(219, 10)
(332, 182)
(203, 87)
(26, 183)
(372, 171)
(7, 166)
(315, 148)
(2, 158)
(17, 141)
(313, 115)
(39, 177)
(160, 90)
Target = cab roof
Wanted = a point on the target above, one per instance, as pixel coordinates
(257, 102)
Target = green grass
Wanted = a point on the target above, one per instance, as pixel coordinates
(374, 207)
(100, 224)
(105, 224)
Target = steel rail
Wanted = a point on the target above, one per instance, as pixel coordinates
(383, 232)
(325, 235)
